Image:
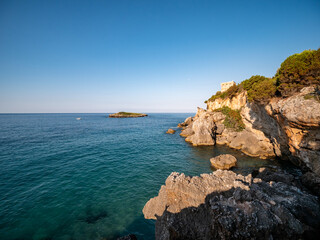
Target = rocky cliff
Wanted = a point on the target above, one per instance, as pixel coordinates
(265, 117)
(288, 128)
(224, 205)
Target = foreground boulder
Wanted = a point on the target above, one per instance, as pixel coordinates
(224, 205)
(223, 161)
(170, 131)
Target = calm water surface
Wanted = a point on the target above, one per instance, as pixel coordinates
(61, 178)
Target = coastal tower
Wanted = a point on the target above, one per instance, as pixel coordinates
(226, 85)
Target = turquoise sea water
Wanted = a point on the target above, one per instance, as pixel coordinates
(62, 178)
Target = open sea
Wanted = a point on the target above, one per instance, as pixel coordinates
(63, 178)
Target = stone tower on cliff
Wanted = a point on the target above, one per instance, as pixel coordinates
(226, 85)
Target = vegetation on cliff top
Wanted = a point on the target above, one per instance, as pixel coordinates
(233, 118)
(259, 88)
(297, 71)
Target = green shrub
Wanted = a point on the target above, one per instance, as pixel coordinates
(297, 71)
(259, 88)
(128, 113)
(233, 118)
(230, 93)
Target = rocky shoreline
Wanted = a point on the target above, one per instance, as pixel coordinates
(285, 128)
(277, 117)
(266, 204)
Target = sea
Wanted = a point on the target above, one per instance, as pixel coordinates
(64, 178)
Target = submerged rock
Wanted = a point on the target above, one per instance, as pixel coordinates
(224, 205)
(93, 216)
(223, 161)
(171, 131)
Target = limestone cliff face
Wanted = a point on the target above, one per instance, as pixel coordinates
(290, 126)
(236, 102)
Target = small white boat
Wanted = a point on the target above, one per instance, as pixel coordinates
(78, 118)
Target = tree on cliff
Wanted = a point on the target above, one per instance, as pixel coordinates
(297, 71)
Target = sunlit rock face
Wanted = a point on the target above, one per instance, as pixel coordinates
(288, 128)
(236, 102)
(300, 120)
(207, 128)
(224, 205)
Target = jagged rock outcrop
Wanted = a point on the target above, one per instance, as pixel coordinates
(170, 131)
(201, 129)
(288, 128)
(236, 102)
(224, 205)
(223, 161)
(248, 142)
(300, 120)
(207, 128)
(187, 122)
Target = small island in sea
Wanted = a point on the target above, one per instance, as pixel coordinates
(127, 115)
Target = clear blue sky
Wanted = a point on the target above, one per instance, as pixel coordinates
(144, 56)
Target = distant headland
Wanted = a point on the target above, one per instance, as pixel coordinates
(127, 115)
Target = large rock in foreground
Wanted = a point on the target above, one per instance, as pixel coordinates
(223, 161)
(224, 205)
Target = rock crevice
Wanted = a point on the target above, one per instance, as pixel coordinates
(224, 205)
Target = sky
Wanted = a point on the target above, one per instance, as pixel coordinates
(141, 55)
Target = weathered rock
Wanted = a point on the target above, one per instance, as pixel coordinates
(277, 175)
(300, 120)
(186, 122)
(202, 130)
(219, 128)
(288, 128)
(171, 131)
(207, 129)
(236, 102)
(224, 205)
(311, 181)
(250, 144)
(223, 161)
(187, 131)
